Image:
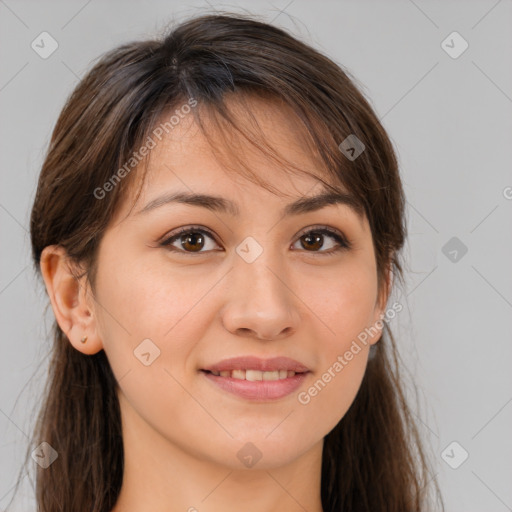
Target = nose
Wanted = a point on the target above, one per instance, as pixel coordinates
(261, 302)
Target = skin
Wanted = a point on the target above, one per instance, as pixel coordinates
(182, 434)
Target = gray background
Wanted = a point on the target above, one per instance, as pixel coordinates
(450, 120)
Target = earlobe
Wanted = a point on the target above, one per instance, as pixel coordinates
(72, 304)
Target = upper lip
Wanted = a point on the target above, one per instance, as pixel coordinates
(256, 363)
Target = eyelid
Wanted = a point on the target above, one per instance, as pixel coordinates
(186, 229)
(320, 227)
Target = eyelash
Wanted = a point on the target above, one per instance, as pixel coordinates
(344, 244)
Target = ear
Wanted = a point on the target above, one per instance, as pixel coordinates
(72, 300)
(381, 303)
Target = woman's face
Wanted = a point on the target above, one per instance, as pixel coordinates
(247, 285)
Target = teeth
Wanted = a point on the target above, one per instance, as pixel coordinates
(255, 375)
(238, 374)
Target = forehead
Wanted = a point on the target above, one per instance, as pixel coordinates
(192, 164)
(208, 146)
(257, 129)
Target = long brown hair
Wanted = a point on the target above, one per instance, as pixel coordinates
(373, 460)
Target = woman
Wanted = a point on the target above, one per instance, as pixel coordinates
(217, 222)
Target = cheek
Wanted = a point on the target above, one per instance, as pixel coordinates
(345, 304)
(344, 308)
(343, 360)
(170, 306)
(329, 396)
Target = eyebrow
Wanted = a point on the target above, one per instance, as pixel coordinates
(227, 206)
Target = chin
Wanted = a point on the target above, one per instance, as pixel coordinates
(262, 452)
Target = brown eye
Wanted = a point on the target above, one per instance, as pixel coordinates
(188, 240)
(193, 241)
(314, 240)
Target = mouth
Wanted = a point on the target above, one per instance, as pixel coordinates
(255, 379)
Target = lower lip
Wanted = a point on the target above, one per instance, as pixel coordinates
(260, 390)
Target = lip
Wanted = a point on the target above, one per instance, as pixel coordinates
(259, 391)
(256, 363)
